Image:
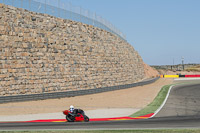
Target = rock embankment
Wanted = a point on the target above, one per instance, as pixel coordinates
(41, 53)
(150, 72)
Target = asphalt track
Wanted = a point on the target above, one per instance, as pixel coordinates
(183, 101)
(181, 110)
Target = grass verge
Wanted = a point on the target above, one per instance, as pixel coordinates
(153, 106)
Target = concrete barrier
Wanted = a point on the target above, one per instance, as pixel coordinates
(171, 76)
(191, 76)
(178, 76)
(43, 96)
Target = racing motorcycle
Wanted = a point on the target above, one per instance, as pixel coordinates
(77, 116)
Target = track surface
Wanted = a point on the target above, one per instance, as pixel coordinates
(181, 110)
(184, 100)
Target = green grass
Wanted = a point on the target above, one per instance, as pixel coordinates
(113, 131)
(152, 107)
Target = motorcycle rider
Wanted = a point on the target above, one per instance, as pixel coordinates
(75, 111)
(71, 108)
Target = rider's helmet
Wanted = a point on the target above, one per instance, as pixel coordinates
(71, 109)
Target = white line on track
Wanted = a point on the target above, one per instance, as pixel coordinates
(158, 110)
(187, 79)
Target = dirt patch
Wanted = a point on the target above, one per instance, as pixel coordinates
(150, 72)
(136, 97)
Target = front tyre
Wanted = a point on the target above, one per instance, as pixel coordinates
(86, 119)
(69, 118)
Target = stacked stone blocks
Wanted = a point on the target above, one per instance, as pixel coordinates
(41, 53)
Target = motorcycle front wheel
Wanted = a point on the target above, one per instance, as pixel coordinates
(86, 119)
(69, 118)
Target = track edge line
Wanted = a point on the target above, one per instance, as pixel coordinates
(158, 110)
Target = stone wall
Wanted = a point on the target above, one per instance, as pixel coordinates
(41, 53)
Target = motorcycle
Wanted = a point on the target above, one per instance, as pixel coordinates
(78, 116)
